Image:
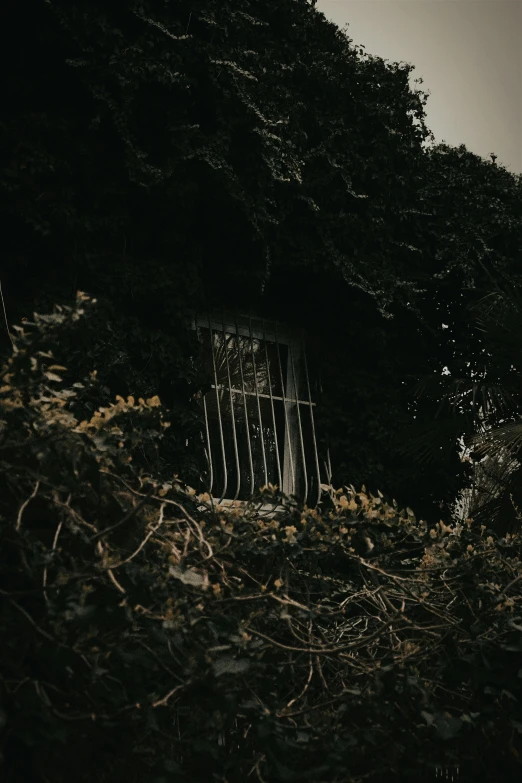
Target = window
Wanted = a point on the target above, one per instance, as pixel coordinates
(258, 408)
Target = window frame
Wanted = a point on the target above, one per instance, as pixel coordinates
(295, 455)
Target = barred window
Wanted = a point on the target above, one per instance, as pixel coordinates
(258, 408)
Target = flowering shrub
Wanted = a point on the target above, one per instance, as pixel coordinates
(149, 635)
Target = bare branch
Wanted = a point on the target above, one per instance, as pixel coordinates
(24, 506)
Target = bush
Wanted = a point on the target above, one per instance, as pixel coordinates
(148, 635)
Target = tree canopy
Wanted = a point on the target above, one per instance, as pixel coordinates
(152, 132)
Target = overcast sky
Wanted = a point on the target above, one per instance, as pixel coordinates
(469, 53)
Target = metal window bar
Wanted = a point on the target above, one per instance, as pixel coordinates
(293, 454)
(258, 401)
(207, 450)
(300, 429)
(245, 406)
(289, 469)
(312, 423)
(279, 474)
(232, 414)
(218, 411)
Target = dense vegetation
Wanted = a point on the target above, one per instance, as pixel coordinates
(165, 156)
(486, 405)
(150, 636)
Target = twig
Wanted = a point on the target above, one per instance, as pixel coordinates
(325, 650)
(314, 707)
(507, 587)
(189, 519)
(162, 702)
(94, 716)
(138, 550)
(158, 659)
(122, 520)
(24, 505)
(55, 541)
(170, 502)
(5, 317)
(245, 597)
(72, 512)
(256, 768)
(100, 550)
(18, 685)
(320, 670)
(37, 627)
(115, 582)
(187, 540)
(285, 599)
(300, 696)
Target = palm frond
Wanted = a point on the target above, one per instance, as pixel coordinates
(474, 399)
(467, 408)
(477, 408)
(505, 439)
(496, 496)
(498, 317)
(428, 441)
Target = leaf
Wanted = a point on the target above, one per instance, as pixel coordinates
(448, 727)
(189, 577)
(230, 666)
(171, 766)
(515, 646)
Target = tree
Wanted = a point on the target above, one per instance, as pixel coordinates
(482, 407)
(478, 208)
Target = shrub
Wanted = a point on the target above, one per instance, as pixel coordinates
(148, 635)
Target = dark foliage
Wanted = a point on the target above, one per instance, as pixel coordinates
(169, 155)
(482, 402)
(149, 636)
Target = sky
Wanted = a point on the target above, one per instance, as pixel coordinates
(469, 53)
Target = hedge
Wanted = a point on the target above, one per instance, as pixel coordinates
(150, 635)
